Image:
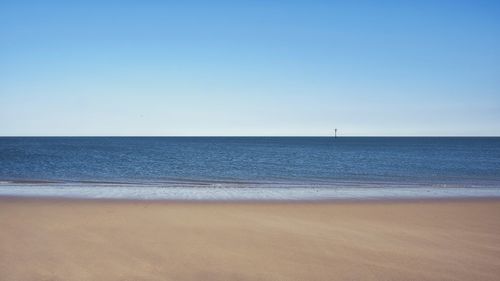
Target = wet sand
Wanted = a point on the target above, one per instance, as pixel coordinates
(56, 239)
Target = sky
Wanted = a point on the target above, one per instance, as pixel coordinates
(249, 68)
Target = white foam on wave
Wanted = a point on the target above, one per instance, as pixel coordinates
(231, 192)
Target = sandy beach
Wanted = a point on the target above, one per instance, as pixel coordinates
(57, 239)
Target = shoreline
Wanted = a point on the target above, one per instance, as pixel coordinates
(327, 201)
(247, 193)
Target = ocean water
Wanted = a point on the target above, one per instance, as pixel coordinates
(250, 167)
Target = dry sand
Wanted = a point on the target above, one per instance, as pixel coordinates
(103, 240)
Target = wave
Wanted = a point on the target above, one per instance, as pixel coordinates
(184, 189)
(179, 182)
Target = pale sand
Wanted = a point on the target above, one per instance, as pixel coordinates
(102, 240)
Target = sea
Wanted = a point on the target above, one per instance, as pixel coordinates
(250, 168)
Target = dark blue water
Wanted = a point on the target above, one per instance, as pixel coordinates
(251, 159)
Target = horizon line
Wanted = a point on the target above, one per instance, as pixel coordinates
(247, 136)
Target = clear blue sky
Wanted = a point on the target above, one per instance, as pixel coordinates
(249, 67)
